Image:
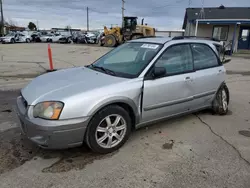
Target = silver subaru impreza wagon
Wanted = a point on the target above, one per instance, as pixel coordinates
(137, 83)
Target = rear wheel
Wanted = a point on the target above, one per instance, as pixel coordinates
(221, 101)
(110, 41)
(109, 129)
(28, 40)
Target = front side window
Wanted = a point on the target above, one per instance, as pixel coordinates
(176, 59)
(220, 32)
(203, 56)
(129, 59)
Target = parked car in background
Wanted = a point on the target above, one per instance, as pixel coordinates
(101, 39)
(84, 38)
(16, 37)
(137, 83)
(51, 37)
(65, 39)
(36, 37)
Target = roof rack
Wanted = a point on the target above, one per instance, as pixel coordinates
(195, 37)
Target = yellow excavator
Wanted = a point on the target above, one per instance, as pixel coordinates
(130, 30)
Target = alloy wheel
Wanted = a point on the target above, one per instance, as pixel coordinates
(111, 131)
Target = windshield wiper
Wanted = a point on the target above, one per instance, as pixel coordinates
(103, 69)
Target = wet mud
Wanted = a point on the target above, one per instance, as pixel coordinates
(168, 145)
(245, 133)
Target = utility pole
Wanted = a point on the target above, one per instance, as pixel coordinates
(189, 3)
(87, 18)
(2, 20)
(123, 2)
(37, 28)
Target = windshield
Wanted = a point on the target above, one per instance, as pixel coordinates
(129, 59)
(10, 35)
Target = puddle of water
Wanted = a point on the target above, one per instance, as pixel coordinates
(245, 133)
(16, 149)
(168, 145)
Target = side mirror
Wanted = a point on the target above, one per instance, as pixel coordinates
(159, 72)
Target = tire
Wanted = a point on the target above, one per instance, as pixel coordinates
(108, 134)
(110, 41)
(12, 41)
(51, 40)
(221, 101)
(27, 40)
(48, 40)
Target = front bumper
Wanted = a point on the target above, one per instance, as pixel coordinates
(6, 41)
(51, 134)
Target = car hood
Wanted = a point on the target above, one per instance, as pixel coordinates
(3, 38)
(60, 85)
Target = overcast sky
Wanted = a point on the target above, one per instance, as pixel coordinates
(161, 14)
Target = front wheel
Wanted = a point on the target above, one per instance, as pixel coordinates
(109, 129)
(27, 40)
(221, 100)
(110, 41)
(12, 41)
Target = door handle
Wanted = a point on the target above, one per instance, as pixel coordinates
(219, 72)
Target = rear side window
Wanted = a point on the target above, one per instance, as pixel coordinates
(203, 56)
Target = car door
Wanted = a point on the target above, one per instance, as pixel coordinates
(17, 38)
(172, 93)
(209, 75)
(22, 38)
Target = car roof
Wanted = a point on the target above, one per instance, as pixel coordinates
(163, 40)
(158, 40)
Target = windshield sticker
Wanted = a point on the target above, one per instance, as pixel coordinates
(150, 46)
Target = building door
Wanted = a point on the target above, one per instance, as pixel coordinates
(244, 39)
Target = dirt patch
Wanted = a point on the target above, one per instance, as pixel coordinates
(245, 133)
(168, 145)
(76, 158)
(16, 149)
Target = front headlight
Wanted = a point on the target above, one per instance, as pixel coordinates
(48, 110)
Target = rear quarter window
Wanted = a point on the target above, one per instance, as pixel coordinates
(204, 57)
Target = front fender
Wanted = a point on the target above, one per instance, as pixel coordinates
(113, 100)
